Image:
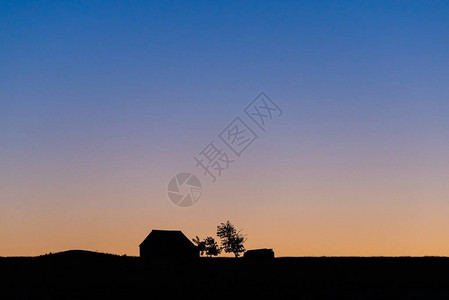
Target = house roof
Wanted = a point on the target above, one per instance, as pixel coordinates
(260, 250)
(167, 237)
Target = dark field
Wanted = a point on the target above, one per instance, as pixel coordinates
(90, 275)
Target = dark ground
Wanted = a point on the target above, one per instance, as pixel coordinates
(89, 275)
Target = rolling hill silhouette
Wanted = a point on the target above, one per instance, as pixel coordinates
(79, 274)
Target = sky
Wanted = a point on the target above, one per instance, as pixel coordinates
(103, 102)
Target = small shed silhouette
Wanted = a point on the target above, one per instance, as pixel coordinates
(168, 244)
(259, 254)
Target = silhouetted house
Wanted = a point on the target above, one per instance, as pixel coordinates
(259, 254)
(168, 245)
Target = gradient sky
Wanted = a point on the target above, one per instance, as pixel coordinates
(102, 102)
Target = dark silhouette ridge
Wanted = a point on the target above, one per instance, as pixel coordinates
(90, 275)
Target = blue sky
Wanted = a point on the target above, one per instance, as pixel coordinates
(93, 92)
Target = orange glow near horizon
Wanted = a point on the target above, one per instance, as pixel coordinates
(316, 222)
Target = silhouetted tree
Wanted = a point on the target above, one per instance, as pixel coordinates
(201, 244)
(231, 239)
(212, 248)
(207, 246)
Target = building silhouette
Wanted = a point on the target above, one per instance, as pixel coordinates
(259, 254)
(168, 245)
